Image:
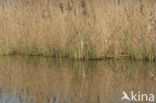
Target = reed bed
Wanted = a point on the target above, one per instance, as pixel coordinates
(79, 29)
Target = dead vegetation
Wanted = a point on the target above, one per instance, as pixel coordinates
(90, 29)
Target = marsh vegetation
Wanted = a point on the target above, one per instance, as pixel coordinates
(32, 32)
(79, 29)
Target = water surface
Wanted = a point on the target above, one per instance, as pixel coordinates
(47, 80)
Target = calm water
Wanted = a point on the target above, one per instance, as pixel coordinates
(47, 80)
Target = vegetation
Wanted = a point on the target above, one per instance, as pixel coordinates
(79, 29)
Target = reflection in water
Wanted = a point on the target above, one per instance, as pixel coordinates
(40, 80)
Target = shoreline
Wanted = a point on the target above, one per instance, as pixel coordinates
(120, 57)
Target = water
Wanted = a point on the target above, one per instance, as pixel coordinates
(47, 80)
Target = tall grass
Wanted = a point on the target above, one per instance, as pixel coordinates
(89, 29)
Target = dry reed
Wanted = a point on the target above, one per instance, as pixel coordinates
(90, 29)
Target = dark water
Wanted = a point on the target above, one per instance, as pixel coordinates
(47, 80)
